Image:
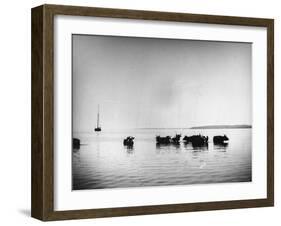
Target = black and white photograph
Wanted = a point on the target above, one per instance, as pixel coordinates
(160, 112)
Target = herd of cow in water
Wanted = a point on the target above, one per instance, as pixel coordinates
(196, 140)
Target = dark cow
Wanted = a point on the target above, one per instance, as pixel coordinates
(176, 139)
(76, 143)
(129, 141)
(196, 140)
(163, 140)
(220, 139)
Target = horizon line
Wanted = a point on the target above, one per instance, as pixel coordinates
(204, 126)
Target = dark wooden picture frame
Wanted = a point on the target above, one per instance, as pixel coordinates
(42, 203)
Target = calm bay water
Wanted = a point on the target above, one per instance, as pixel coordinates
(103, 162)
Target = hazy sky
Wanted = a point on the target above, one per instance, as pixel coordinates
(152, 83)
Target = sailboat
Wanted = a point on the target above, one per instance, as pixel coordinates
(98, 128)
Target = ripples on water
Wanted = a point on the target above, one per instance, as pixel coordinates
(103, 162)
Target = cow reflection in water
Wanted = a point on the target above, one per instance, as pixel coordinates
(223, 147)
(168, 146)
(129, 149)
(204, 147)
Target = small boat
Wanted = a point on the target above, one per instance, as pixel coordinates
(98, 128)
(129, 141)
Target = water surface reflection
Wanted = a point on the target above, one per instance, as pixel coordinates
(106, 163)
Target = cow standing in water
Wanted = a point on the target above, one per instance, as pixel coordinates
(196, 140)
(176, 139)
(129, 141)
(168, 140)
(220, 139)
(163, 140)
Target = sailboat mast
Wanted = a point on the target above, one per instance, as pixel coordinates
(98, 119)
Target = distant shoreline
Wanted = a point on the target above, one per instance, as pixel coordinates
(223, 127)
(210, 127)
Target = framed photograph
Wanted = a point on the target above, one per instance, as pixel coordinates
(141, 112)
